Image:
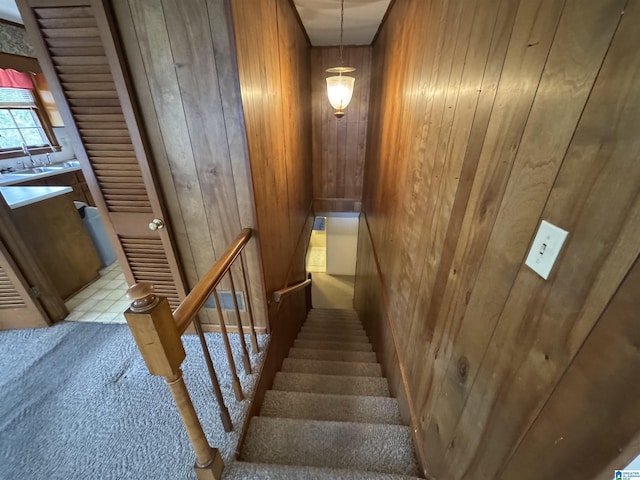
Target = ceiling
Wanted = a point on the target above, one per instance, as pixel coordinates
(321, 19)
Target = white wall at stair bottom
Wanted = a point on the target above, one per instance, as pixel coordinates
(342, 243)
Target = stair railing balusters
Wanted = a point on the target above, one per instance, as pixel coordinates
(156, 334)
(247, 299)
(245, 353)
(237, 388)
(225, 418)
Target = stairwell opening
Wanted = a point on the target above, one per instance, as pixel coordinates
(331, 259)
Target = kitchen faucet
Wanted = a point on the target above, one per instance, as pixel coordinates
(27, 152)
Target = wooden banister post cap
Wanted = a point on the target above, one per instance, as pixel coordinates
(142, 297)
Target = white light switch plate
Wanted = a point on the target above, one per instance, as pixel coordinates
(545, 249)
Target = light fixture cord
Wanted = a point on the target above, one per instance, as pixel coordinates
(341, 30)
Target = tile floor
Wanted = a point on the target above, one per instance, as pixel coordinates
(104, 301)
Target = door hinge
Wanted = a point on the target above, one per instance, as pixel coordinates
(34, 292)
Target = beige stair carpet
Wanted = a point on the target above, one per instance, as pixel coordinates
(329, 414)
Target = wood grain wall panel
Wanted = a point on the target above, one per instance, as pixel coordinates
(372, 302)
(197, 75)
(227, 71)
(186, 80)
(482, 122)
(339, 144)
(295, 69)
(273, 62)
(262, 103)
(139, 79)
(541, 152)
(601, 387)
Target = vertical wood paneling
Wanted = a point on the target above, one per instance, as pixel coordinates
(495, 295)
(154, 46)
(372, 302)
(599, 375)
(273, 62)
(256, 32)
(486, 117)
(296, 98)
(339, 144)
(182, 60)
(227, 71)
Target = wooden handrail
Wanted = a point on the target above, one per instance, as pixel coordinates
(278, 295)
(192, 304)
(154, 330)
(158, 334)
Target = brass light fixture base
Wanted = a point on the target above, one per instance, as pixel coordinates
(340, 70)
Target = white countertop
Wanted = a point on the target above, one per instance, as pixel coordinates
(12, 178)
(17, 197)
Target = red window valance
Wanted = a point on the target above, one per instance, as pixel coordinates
(10, 78)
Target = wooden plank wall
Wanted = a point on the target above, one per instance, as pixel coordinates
(274, 67)
(339, 144)
(486, 117)
(183, 67)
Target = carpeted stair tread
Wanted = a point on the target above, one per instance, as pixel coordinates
(333, 311)
(324, 337)
(335, 384)
(360, 332)
(327, 316)
(330, 414)
(325, 320)
(335, 355)
(329, 367)
(331, 320)
(339, 408)
(355, 347)
(348, 445)
(335, 326)
(263, 471)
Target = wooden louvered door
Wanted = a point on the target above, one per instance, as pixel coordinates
(17, 308)
(83, 63)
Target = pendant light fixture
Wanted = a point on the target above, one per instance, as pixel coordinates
(340, 87)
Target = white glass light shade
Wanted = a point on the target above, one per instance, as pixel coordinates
(340, 90)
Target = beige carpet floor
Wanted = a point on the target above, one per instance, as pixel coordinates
(332, 291)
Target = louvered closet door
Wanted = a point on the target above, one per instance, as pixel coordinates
(17, 308)
(84, 66)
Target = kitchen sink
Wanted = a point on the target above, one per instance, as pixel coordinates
(37, 170)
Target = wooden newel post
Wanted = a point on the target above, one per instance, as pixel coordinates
(155, 332)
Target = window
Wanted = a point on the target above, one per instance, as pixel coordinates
(21, 127)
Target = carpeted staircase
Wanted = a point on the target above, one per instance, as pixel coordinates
(329, 414)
